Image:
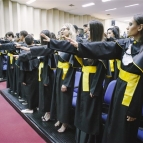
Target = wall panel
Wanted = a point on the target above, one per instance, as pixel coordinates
(2, 25)
(16, 17)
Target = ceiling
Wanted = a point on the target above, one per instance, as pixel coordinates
(97, 10)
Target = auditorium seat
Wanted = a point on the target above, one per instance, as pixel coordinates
(76, 84)
(140, 131)
(74, 99)
(140, 134)
(107, 97)
(77, 80)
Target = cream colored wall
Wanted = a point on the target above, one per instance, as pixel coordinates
(121, 25)
(16, 17)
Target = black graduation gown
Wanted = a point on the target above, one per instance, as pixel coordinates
(30, 77)
(10, 47)
(1, 58)
(117, 129)
(88, 110)
(36, 51)
(45, 92)
(62, 101)
(17, 87)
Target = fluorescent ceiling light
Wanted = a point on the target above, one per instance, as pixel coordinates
(105, 0)
(30, 1)
(89, 4)
(111, 9)
(132, 5)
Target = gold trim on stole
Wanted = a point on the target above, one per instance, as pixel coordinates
(11, 57)
(41, 65)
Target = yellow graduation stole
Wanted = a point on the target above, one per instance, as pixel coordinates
(132, 82)
(111, 65)
(79, 60)
(85, 79)
(65, 66)
(11, 57)
(41, 65)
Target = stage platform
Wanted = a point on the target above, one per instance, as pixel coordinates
(45, 129)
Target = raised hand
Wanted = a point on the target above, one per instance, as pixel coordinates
(17, 45)
(73, 42)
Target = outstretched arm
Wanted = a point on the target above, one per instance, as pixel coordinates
(35, 52)
(41, 51)
(92, 50)
(8, 46)
(99, 50)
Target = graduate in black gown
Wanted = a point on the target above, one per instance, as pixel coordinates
(29, 79)
(2, 58)
(46, 79)
(90, 95)
(127, 100)
(112, 35)
(10, 48)
(17, 86)
(64, 84)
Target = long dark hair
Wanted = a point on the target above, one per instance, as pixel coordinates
(139, 20)
(96, 34)
(115, 32)
(96, 30)
(47, 33)
(53, 36)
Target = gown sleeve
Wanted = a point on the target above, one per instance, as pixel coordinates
(35, 51)
(93, 50)
(4, 41)
(100, 50)
(41, 50)
(63, 46)
(8, 46)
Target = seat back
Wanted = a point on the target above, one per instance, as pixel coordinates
(77, 78)
(142, 110)
(109, 92)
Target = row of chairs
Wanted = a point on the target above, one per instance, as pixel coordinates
(107, 99)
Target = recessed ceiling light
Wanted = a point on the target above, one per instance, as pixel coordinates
(111, 9)
(105, 0)
(30, 1)
(132, 5)
(89, 4)
(108, 14)
(71, 5)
